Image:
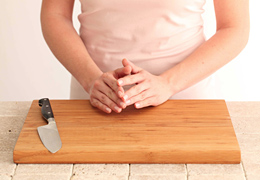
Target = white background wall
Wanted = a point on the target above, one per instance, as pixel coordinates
(29, 71)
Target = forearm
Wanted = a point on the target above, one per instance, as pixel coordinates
(220, 49)
(68, 48)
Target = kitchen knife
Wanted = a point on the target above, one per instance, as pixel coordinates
(49, 134)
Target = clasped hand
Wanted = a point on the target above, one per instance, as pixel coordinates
(107, 92)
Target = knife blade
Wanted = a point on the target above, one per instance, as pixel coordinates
(49, 134)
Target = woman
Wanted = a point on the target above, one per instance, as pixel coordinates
(162, 45)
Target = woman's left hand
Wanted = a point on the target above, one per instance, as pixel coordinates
(149, 89)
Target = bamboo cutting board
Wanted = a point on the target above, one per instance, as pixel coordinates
(178, 131)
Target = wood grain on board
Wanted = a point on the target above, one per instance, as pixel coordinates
(178, 131)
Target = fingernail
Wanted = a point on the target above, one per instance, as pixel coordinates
(120, 82)
(128, 102)
(117, 109)
(137, 105)
(122, 105)
(125, 97)
(108, 109)
(120, 94)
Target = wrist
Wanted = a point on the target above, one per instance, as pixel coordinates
(168, 77)
(87, 83)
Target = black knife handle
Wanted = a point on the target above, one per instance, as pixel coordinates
(46, 108)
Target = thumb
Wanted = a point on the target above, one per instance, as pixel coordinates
(122, 72)
(135, 69)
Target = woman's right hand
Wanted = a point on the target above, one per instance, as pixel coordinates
(105, 94)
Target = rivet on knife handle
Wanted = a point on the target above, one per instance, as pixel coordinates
(46, 108)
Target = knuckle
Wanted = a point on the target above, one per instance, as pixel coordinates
(94, 103)
(126, 79)
(96, 84)
(91, 99)
(111, 105)
(129, 94)
(143, 95)
(101, 106)
(113, 84)
(137, 88)
(102, 98)
(91, 96)
(147, 102)
(104, 75)
(110, 94)
(131, 78)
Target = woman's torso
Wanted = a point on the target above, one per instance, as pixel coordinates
(155, 35)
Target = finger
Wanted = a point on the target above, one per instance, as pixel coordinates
(124, 71)
(96, 103)
(135, 69)
(102, 87)
(150, 101)
(106, 101)
(112, 95)
(112, 83)
(136, 92)
(139, 97)
(119, 73)
(132, 79)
